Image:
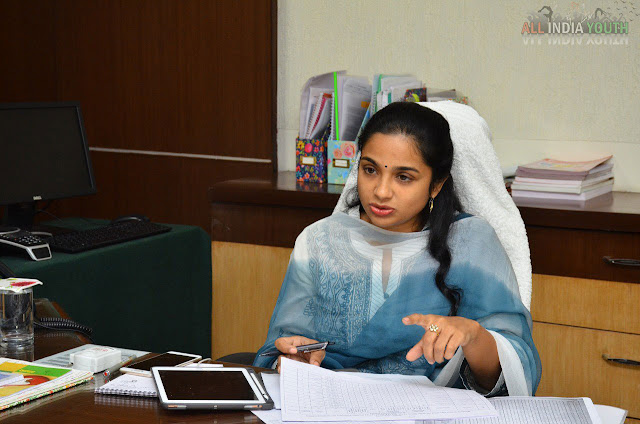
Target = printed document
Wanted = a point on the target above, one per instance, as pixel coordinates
(514, 410)
(274, 416)
(272, 382)
(311, 393)
(543, 410)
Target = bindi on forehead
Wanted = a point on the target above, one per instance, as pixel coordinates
(397, 168)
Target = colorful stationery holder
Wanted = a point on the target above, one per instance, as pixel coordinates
(311, 160)
(342, 154)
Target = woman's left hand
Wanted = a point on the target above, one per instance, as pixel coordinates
(451, 333)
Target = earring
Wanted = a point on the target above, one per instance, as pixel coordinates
(430, 204)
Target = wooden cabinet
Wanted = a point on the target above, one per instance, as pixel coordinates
(601, 319)
(246, 283)
(584, 307)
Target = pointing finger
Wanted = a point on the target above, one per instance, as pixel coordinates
(417, 319)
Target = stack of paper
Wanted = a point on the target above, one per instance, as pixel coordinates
(38, 381)
(393, 88)
(309, 394)
(320, 115)
(388, 89)
(563, 180)
(314, 91)
(306, 394)
(337, 106)
(350, 104)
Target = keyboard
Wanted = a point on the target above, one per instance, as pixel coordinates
(80, 241)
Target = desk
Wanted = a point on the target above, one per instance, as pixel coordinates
(582, 307)
(80, 405)
(149, 294)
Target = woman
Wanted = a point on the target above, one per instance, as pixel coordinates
(405, 282)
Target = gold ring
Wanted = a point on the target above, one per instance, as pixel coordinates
(434, 328)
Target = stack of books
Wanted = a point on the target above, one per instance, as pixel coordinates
(25, 381)
(562, 180)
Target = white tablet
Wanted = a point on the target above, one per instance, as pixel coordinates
(210, 388)
(167, 359)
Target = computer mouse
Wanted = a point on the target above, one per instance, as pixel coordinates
(129, 218)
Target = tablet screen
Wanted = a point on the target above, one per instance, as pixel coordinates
(204, 385)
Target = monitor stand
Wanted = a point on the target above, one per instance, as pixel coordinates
(22, 216)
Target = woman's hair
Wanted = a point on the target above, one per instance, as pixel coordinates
(430, 131)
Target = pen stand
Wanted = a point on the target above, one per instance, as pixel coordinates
(311, 160)
(342, 154)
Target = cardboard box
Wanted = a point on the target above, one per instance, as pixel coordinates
(311, 160)
(342, 155)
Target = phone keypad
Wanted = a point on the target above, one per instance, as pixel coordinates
(23, 238)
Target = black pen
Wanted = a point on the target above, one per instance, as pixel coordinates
(301, 349)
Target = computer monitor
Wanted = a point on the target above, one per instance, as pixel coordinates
(44, 156)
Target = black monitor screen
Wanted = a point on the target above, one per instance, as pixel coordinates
(44, 153)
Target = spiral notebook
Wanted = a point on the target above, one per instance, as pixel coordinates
(130, 385)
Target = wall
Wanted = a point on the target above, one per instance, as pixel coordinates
(573, 100)
(176, 95)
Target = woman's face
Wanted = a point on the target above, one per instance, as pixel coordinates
(393, 183)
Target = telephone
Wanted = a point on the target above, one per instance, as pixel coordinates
(51, 323)
(16, 238)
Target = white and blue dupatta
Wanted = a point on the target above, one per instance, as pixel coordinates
(333, 291)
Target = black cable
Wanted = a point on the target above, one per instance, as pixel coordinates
(56, 323)
(48, 213)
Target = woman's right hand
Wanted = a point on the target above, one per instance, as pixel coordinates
(287, 345)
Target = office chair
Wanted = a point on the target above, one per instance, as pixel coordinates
(242, 358)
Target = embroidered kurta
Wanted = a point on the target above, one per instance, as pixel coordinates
(351, 283)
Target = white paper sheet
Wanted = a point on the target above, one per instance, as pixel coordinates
(272, 385)
(310, 393)
(274, 416)
(421, 379)
(272, 382)
(353, 101)
(611, 414)
(539, 410)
